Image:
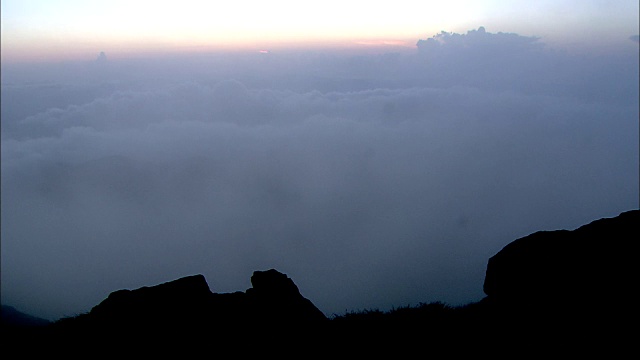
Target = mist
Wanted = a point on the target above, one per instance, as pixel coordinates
(373, 179)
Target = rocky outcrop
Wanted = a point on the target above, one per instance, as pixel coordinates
(274, 297)
(590, 270)
(188, 303)
(182, 301)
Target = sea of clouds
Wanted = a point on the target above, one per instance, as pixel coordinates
(373, 180)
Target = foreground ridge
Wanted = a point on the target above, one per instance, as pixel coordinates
(539, 289)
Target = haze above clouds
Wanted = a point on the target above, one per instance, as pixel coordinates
(373, 180)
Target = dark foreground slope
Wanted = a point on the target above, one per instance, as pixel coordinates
(569, 290)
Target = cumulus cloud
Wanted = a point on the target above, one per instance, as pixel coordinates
(373, 181)
(479, 42)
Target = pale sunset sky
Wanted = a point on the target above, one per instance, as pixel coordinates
(43, 30)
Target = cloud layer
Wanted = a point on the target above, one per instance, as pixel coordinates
(373, 181)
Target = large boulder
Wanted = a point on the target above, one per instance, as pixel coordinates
(181, 301)
(590, 269)
(274, 297)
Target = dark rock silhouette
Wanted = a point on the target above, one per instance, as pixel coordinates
(569, 288)
(274, 297)
(593, 261)
(188, 304)
(178, 302)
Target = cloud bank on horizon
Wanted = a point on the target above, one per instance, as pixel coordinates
(373, 181)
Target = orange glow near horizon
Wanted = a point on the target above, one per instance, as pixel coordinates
(59, 51)
(44, 30)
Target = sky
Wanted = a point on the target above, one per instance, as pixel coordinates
(45, 30)
(378, 153)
